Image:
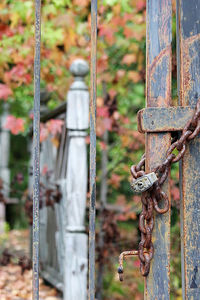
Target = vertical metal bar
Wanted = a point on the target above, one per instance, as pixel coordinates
(103, 200)
(36, 151)
(92, 151)
(158, 90)
(188, 57)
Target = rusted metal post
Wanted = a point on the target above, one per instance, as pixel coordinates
(92, 151)
(188, 43)
(102, 202)
(36, 151)
(158, 92)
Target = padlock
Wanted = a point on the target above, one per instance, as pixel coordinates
(143, 183)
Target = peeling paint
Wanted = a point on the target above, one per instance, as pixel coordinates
(92, 212)
(188, 39)
(159, 95)
(36, 151)
(160, 119)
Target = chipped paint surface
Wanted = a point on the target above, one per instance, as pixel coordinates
(159, 95)
(188, 24)
(92, 212)
(36, 151)
(162, 119)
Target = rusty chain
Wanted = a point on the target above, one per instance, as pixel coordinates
(151, 198)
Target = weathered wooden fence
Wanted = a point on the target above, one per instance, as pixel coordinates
(63, 241)
(5, 185)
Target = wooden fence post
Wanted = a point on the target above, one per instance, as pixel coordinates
(75, 273)
(4, 158)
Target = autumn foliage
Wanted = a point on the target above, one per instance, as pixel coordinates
(66, 36)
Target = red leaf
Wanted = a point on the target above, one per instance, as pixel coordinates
(107, 124)
(55, 126)
(15, 125)
(141, 4)
(121, 218)
(5, 30)
(44, 170)
(107, 32)
(43, 132)
(87, 139)
(18, 74)
(102, 112)
(81, 2)
(103, 145)
(131, 216)
(115, 180)
(5, 91)
(136, 263)
(128, 59)
(175, 193)
(128, 32)
(102, 63)
(112, 93)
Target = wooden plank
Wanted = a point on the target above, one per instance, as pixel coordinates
(158, 86)
(4, 162)
(188, 29)
(76, 265)
(55, 113)
(50, 249)
(59, 162)
(51, 276)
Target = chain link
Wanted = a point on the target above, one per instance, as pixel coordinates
(152, 198)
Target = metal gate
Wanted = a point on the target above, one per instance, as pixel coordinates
(158, 120)
(163, 120)
(36, 152)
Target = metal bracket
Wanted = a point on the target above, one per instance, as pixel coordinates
(164, 119)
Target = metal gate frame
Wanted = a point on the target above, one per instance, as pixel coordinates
(158, 120)
(36, 151)
(158, 92)
(188, 54)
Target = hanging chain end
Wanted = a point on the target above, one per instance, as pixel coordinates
(124, 254)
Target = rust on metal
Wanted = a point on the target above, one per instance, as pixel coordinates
(188, 57)
(92, 212)
(157, 120)
(158, 86)
(153, 195)
(164, 119)
(36, 151)
(152, 198)
(121, 260)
